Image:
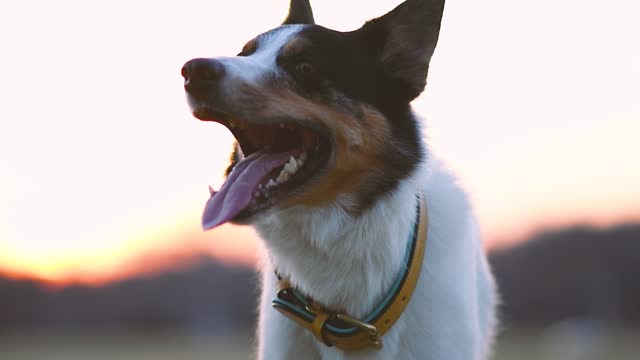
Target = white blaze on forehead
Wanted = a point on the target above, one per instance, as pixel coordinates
(263, 61)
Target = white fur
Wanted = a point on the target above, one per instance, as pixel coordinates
(252, 68)
(350, 263)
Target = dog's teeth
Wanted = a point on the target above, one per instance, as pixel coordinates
(271, 184)
(300, 160)
(291, 166)
(283, 178)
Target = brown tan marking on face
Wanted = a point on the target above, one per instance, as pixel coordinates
(358, 144)
(358, 138)
(249, 48)
(295, 46)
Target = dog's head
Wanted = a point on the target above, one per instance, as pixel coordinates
(319, 116)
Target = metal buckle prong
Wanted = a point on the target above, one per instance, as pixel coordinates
(314, 308)
(375, 339)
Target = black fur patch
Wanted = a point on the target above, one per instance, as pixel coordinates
(348, 63)
(299, 13)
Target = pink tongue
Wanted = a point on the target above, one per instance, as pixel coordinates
(237, 191)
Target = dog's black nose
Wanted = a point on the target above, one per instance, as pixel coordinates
(200, 74)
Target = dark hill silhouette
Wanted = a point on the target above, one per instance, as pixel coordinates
(207, 297)
(578, 272)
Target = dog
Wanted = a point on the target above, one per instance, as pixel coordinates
(371, 248)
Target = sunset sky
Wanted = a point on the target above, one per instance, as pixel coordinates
(536, 105)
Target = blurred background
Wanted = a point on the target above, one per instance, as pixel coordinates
(104, 173)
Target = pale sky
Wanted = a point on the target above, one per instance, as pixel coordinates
(536, 105)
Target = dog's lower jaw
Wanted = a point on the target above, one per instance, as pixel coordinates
(348, 264)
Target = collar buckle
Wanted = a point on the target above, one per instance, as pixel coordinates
(375, 340)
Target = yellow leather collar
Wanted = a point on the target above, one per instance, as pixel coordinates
(343, 331)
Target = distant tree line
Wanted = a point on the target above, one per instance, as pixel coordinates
(579, 272)
(209, 297)
(572, 273)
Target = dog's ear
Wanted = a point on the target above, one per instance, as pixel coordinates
(405, 39)
(299, 13)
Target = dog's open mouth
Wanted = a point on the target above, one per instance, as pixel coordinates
(280, 157)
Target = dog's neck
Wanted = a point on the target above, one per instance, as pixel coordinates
(343, 262)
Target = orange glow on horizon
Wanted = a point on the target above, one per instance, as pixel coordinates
(104, 172)
(146, 261)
